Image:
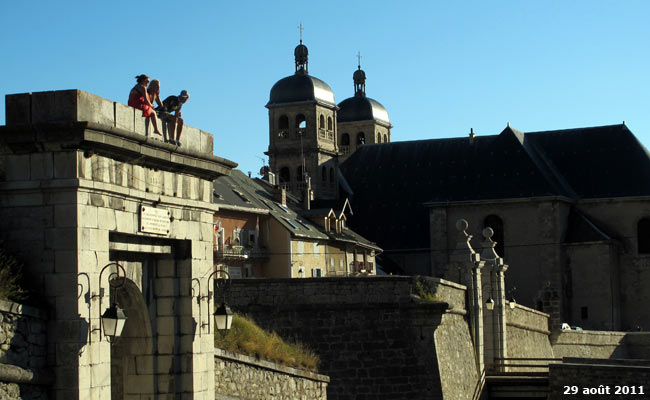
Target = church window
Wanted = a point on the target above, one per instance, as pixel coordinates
(321, 122)
(301, 121)
(323, 174)
(329, 124)
(285, 175)
(643, 235)
(361, 138)
(385, 138)
(496, 224)
(283, 122)
(378, 137)
(345, 139)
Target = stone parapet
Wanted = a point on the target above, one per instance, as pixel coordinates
(238, 376)
(77, 105)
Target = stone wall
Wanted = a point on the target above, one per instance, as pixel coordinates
(638, 345)
(23, 353)
(527, 333)
(374, 339)
(596, 380)
(589, 344)
(238, 376)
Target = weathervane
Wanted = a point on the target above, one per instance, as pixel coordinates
(300, 28)
(359, 58)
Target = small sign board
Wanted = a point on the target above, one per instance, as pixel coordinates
(155, 220)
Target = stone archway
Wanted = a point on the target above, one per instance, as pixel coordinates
(132, 363)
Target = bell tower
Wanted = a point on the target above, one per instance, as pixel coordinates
(302, 132)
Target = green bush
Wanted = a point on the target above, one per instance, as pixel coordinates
(247, 338)
(11, 275)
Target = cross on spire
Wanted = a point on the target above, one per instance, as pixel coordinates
(300, 28)
(359, 58)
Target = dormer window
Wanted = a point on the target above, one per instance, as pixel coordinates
(241, 195)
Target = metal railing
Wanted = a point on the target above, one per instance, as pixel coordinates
(240, 252)
(522, 365)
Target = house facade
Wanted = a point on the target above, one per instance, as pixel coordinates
(263, 231)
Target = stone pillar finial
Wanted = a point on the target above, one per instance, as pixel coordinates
(489, 253)
(463, 252)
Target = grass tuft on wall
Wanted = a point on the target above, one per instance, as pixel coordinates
(247, 338)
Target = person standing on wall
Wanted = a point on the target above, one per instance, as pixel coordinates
(173, 104)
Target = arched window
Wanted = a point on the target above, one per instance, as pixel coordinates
(330, 126)
(361, 138)
(496, 224)
(385, 138)
(643, 235)
(378, 137)
(323, 174)
(283, 122)
(321, 122)
(301, 121)
(345, 139)
(285, 175)
(331, 175)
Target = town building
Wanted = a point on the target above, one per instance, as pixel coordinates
(261, 230)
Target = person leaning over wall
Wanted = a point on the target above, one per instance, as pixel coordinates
(174, 122)
(139, 98)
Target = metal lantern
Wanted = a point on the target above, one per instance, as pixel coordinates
(223, 317)
(489, 304)
(113, 321)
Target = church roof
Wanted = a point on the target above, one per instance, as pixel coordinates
(391, 182)
(361, 108)
(300, 87)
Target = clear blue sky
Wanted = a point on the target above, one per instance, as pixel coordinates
(439, 67)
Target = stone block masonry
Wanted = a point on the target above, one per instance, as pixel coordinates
(239, 376)
(374, 338)
(76, 170)
(23, 353)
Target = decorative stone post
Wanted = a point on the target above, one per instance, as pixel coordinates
(468, 264)
(495, 320)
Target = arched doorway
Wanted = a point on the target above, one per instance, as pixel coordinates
(132, 353)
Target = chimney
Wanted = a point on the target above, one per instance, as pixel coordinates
(281, 195)
(267, 175)
(472, 136)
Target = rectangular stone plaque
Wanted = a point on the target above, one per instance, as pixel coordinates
(154, 220)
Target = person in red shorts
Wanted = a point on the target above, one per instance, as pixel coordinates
(139, 98)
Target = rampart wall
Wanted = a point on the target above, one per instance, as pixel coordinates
(23, 353)
(374, 339)
(238, 376)
(527, 333)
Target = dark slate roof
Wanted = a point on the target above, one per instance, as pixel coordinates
(361, 108)
(300, 87)
(390, 182)
(261, 199)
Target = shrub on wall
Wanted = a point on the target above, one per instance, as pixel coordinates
(247, 338)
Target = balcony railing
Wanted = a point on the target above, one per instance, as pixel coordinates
(359, 267)
(321, 133)
(345, 149)
(241, 253)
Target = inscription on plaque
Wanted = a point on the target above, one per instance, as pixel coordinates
(154, 220)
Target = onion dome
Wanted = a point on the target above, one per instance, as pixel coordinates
(301, 86)
(360, 107)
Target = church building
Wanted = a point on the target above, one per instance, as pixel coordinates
(310, 135)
